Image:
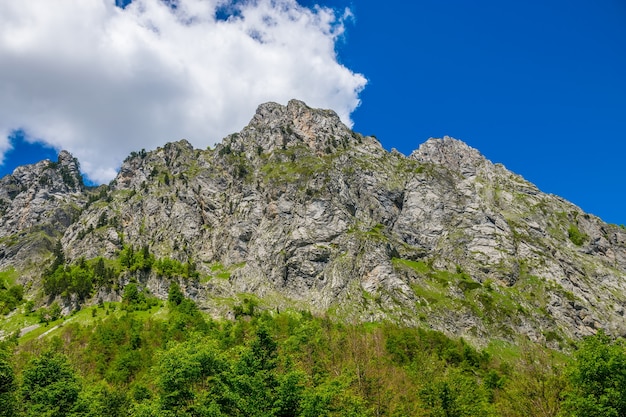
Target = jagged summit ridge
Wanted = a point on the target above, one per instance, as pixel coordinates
(38, 202)
(29, 194)
(301, 212)
(275, 126)
(451, 153)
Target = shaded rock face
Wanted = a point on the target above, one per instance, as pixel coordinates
(302, 212)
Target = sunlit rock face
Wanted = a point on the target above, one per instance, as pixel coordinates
(300, 212)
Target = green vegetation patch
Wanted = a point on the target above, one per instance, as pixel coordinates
(84, 276)
(420, 267)
(115, 362)
(577, 237)
(11, 294)
(20, 319)
(377, 233)
(219, 271)
(439, 289)
(294, 164)
(136, 299)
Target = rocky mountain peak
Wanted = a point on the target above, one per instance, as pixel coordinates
(452, 153)
(140, 167)
(275, 126)
(298, 210)
(38, 202)
(60, 177)
(67, 159)
(304, 120)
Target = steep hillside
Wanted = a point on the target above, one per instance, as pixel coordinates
(297, 211)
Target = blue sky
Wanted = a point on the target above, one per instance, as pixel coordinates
(538, 86)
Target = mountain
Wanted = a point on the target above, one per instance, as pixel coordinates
(298, 211)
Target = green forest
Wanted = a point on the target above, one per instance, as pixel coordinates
(145, 357)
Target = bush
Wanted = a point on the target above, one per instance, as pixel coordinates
(598, 378)
(135, 300)
(576, 236)
(10, 298)
(50, 386)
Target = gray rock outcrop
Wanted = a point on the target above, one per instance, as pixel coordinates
(299, 211)
(37, 204)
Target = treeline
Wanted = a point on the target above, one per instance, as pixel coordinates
(84, 276)
(294, 364)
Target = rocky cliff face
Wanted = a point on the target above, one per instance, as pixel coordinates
(299, 211)
(37, 204)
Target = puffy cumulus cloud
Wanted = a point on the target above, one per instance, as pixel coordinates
(4, 145)
(101, 80)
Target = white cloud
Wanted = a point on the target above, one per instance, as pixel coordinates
(4, 145)
(102, 81)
